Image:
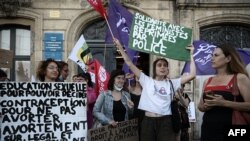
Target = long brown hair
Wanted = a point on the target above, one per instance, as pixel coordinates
(235, 65)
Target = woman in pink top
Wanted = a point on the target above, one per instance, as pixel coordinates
(91, 96)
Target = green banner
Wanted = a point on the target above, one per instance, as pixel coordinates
(159, 38)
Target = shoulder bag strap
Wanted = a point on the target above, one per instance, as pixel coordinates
(172, 89)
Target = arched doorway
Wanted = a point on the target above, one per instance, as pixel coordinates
(95, 33)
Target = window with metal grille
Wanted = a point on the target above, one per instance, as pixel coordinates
(235, 34)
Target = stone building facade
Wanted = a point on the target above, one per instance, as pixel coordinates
(26, 23)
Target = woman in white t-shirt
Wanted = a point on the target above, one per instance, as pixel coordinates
(156, 97)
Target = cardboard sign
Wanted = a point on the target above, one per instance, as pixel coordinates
(159, 38)
(34, 111)
(125, 131)
(6, 57)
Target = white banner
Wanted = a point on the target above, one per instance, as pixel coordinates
(32, 111)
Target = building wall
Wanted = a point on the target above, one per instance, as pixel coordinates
(196, 15)
(70, 17)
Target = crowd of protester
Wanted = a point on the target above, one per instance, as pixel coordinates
(136, 95)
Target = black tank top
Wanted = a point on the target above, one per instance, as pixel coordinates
(119, 111)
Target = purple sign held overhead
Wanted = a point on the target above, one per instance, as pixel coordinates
(203, 55)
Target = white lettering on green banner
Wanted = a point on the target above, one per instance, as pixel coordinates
(159, 38)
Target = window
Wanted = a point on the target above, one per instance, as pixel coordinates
(18, 39)
(235, 34)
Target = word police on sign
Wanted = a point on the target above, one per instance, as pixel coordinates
(159, 38)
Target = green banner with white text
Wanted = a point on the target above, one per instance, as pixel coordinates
(159, 38)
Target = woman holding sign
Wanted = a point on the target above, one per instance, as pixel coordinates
(224, 94)
(156, 97)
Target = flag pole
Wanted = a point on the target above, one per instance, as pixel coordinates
(109, 26)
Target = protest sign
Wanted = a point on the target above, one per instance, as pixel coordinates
(33, 111)
(203, 52)
(191, 112)
(159, 38)
(125, 131)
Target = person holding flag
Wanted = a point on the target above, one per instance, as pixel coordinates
(119, 21)
(156, 96)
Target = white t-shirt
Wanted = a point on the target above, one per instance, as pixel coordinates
(156, 95)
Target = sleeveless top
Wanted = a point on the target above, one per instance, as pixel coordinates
(137, 112)
(119, 111)
(218, 114)
(226, 88)
(215, 119)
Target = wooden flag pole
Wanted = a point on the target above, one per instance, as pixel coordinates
(109, 26)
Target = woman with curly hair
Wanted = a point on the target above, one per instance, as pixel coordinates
(48, 71)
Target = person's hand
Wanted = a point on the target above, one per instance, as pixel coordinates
(113, 123)
(190, 48)
(130, 103)
(117, 43)
(178, 94)
(214, 100)
(129, 75)
(206, 107)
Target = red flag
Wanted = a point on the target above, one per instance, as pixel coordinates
(100, 76)
(97, 4)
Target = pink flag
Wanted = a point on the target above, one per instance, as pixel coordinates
(97, 5)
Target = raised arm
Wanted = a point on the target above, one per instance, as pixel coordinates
(127, 60)
(192, 73)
